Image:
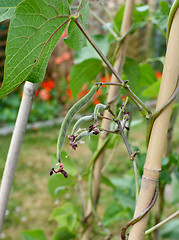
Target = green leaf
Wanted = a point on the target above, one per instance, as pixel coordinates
(76, 39)
(33, 235)
(31, 39)
(84, 12)
(65, 210)
(140, 16)
(82, 73)
(105, 180)
(58, 185)
(170, 230)
(65, 216)
(112, 214)
(6, 13)
(175, 188)
(160, 16)
(132, 71)
(7, 8)
(89, 52)
(118, 19)
(152, 91)
(9, 3)
(147, 75)
(165, 177)
(63, 233)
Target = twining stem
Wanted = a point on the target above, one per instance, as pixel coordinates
(132, 157)
(131, 154)
(124, 85)
(139, 216)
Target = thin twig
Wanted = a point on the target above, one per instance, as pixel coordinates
(162, 222)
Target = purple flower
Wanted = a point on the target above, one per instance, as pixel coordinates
(51, 171)
(72, 137)
(91, 127)
(96, 131)
(64, 173)
(73, 145)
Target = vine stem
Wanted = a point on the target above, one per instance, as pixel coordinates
(124, 85)
(162, 222)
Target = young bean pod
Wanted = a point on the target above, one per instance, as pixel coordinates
(96, 110)
(83, 134)
(69, 116)
(80, 121)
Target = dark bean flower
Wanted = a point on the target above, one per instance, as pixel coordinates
(71, 137)
(73, 145)
(64, 173)
(91, 127)
(51, 171)
(96, 131)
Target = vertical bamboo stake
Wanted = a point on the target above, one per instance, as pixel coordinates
(15, 146)
(159, 131)
(127, 19)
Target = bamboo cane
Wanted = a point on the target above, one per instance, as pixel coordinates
(159, 131)
(15, 146)
(127, 19)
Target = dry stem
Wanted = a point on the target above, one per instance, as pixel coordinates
(159, 130)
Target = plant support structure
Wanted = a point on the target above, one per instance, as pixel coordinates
(157, 140)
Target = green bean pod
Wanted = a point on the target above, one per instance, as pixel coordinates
(69, 116)
(83, 134)
(80, 121)
(96, 110)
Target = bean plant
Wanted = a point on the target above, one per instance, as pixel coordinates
(35, 28)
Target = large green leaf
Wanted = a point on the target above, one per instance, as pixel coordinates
(33, 235)
(31, 39)
(82, 73)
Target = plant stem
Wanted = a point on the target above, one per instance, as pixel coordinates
(124, 85)
(15, 146)
(162, 222)
(133, 160)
